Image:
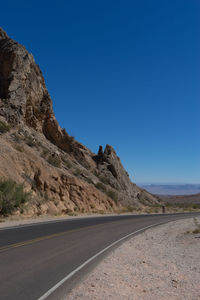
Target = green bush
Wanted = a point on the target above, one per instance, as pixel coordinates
(12, 196)
(100, 186)
(112, 195)
(54, 161)
(4, 127)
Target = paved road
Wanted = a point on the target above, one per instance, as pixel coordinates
(34, 258)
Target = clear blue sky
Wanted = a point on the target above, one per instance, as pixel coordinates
(124, 73)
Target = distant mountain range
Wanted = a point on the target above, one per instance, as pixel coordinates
(172, 189)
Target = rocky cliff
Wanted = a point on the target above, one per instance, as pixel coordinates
(64, 175)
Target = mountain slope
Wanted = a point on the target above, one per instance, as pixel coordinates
(63, 175)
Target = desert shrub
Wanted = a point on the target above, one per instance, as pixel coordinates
(112, 195)
(45, 153)
(197, 230)
(12, 196)
(104, 179)
(19, 148)
(196, 206)
(4, 127)
(100, 186)
(183, 205)
(77, 172)
(16, 137)
(51, 159)
(88, 179)
(67, 163)
(130, 208)
(100, 211)
(95, 173)
(54, 161)
(30, 141)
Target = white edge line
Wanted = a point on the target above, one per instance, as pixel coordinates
(50, 291)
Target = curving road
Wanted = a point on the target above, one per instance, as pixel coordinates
(45, 260)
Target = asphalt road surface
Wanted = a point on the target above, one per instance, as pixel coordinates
(36, 258)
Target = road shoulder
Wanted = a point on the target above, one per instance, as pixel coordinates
(161, 263)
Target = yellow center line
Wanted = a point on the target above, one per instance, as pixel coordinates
(46, 237)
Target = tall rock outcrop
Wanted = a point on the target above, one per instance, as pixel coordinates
(23, 94)
(26, 106)
(113, 172)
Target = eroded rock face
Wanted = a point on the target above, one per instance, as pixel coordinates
(110, 165)
(24, 97)
(25, 103)
(113, 172)
(3, 34)
(55, 191)
(23, 94)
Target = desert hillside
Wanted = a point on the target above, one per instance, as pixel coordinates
(63, 176)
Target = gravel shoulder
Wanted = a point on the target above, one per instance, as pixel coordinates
(160, 264)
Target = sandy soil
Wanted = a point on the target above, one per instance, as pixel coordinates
(160, 264)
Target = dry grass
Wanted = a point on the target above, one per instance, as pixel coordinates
(197, 229)
(4, 127)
